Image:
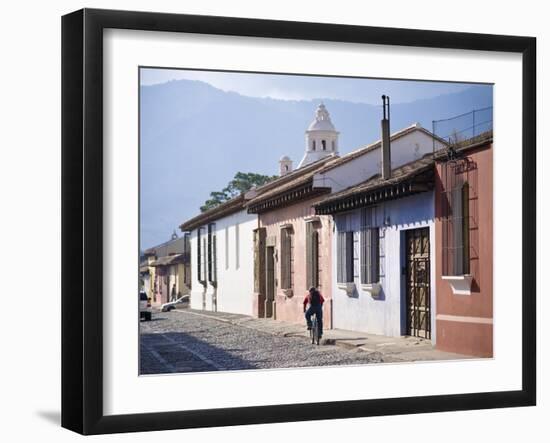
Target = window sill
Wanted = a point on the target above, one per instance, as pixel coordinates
(372, 288)
(312, 219)
(460, 284)
(348, 287)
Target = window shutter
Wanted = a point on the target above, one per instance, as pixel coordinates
(466, 228)
(199, 255)
(366, 256)
(363, 256)
(345, 257)
(457, 230)
(309, 257)
(315, 257)
(214, 277)
(209, 253)
(203, 258)
(283, 259)
(349, 257)
(374, 255)
(312, 256)
(340, 247)
(286, 259)
(370, 248)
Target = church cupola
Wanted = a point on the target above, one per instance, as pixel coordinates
(321, 137)
(285, 165)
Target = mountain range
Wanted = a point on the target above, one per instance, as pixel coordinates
(194, 138)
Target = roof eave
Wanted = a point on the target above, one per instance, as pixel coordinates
(421, 181)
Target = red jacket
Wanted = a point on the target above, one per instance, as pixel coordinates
(308, 297)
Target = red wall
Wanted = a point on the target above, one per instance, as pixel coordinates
(464, 323)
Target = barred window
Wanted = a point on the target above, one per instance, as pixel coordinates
(344, 252)
(370, 247)
(312, 255)
(212, 252)
(287, 260)
(457, 201)
(201, 255)
(458, 225)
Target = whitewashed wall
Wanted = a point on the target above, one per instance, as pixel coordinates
(236, 262)
(235, 266)
(405, 149)
(385, 314)
(197, 289)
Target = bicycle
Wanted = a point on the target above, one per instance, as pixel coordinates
(314, 331)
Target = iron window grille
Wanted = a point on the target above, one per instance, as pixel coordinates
(201, 256)
(344, 248)
(312, 255)
(212, 253)
(459, 216)
(287, 261)
(370, 247)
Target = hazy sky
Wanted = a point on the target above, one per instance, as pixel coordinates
(246, 122)
(293, 87)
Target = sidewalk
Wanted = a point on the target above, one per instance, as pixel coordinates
(391, 349)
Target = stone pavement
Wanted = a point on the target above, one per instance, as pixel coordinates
(183, 341)
(386, 349)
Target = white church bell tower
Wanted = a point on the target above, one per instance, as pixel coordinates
(321, 138)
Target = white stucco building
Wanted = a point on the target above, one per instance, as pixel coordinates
(221, 258)
(384, 236)
(408, 144)
(377, 303)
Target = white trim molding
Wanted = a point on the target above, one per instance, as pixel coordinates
(463, 319)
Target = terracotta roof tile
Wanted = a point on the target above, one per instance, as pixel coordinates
(227, 208)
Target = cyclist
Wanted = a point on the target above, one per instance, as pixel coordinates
(315, 301)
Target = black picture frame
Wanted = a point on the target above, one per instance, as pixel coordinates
(82, 215)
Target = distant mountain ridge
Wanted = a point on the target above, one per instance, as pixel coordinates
(194, 138)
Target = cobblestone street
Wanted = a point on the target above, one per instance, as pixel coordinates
(181, 341)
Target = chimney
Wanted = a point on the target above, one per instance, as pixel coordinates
(386, 151)
(285, 165)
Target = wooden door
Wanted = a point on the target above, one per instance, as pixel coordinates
(259, 269)
(269, 280)
(418, 282)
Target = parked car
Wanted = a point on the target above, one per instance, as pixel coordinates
(182, 302)
(145, 310)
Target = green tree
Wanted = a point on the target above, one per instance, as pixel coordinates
(241, 183)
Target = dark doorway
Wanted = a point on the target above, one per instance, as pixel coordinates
(269, 280)
(417, 262)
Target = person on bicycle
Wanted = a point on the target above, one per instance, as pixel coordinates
(315, 301)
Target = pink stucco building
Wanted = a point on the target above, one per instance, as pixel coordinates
(292, 246)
